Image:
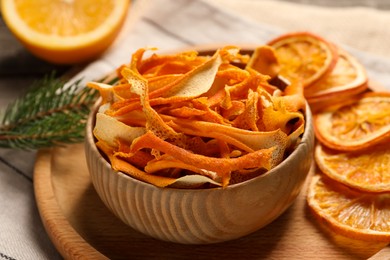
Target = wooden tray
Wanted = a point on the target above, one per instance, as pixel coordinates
(81, 227)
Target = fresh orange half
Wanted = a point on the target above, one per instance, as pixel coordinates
(348, 78)
(65, 31)
(304, 56)
(351, 213)
(367, 170)
(355, 126)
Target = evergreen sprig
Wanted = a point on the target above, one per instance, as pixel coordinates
(48, 114)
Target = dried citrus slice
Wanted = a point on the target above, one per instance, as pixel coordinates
(351, 213)
(367, 170)
(355, 126)
(65, 31)
(349, 77)
(305, 56)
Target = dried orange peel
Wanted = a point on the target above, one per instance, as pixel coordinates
(188, 120)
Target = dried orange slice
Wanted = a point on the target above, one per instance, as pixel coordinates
(304, 56)
(366, 171)
(65, 32)
(351, 213)
(355, 126)
(349, 77)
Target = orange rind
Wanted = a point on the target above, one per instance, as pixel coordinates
(191, 120)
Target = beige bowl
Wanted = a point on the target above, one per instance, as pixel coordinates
(205, 215)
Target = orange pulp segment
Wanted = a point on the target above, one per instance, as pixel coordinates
(66, 31)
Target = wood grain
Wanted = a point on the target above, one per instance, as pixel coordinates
(67, 240)
(81, 226)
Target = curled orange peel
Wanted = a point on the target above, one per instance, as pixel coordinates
(264, 158)
(265, 61)
(197, 120)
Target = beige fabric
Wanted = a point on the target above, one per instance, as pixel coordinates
(362, 28)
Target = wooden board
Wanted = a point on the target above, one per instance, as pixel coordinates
(81, 227)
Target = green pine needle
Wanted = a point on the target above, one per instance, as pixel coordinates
(47, 115)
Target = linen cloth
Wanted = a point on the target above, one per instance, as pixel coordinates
(172, 24)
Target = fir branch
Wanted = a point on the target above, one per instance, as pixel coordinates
(48, 114)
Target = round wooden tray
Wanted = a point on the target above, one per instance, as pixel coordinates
(81, 227)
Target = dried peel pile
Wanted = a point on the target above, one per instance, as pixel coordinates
(350, 191)
(191, 121)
